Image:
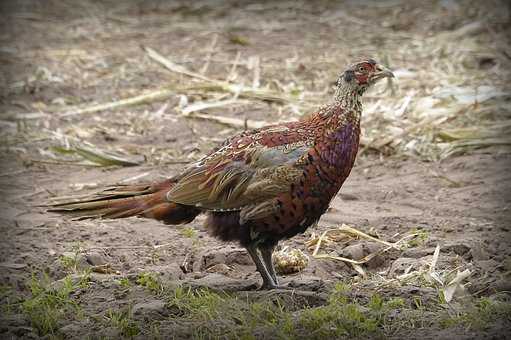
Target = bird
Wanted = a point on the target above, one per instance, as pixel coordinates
(260, 186)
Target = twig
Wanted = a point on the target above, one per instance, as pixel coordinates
(200, 106)
(318, 244)
(232, 73)
(349, 230)
(211, 49)
(234, 122)
(148, 97)
(63, 163)
(12, 173)
(217, 85)
(172, 66)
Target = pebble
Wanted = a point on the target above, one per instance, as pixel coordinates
(150, 308)
(96, 259)
(354, 251)
(308, 283)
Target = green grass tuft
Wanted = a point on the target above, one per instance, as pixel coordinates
(48, 305)
(151, 282)
(123, 322)
(201, 303)
(479, 314)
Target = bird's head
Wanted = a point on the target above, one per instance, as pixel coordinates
(362, 75)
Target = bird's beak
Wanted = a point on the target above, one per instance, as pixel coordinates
(382, 72)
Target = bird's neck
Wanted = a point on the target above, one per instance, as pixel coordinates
(338, 142)
(347, 99)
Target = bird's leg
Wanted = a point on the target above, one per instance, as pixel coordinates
(266, 254)
(268, 282)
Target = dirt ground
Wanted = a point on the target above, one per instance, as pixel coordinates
(59, 54)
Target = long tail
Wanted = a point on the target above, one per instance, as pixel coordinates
(145, 200)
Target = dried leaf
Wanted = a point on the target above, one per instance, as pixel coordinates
(238, 40)
(98, 156)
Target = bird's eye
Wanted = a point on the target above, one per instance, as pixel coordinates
(361, 68)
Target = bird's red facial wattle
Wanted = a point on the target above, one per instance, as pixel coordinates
(363, 71)
(367, 72)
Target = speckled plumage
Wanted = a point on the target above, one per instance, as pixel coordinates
(259, 186)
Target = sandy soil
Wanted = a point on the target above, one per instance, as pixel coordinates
(461, 203)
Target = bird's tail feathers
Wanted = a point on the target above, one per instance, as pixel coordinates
(120, 201)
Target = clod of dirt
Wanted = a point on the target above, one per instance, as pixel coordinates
(217, 281)
(224, 255)
(427, 295)
(354, 252)
(71, 330)
(503, 285)
(96, 259)
(418, 252)
(361, 249)
(24, 331)
(307, 283)
(478, 253)
(167, 273)
(458, 248)
(151, 309)
(488, 266)
(12, 265)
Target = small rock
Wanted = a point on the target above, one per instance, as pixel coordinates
(354, 251)
(308, 283)
(336, 268)
(418, 252)
(96, 259)
(360, 250)
(150, 309)
(170, 272)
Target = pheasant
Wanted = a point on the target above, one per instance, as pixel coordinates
(260, 186)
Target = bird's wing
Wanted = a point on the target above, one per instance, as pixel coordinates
(245, 172)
